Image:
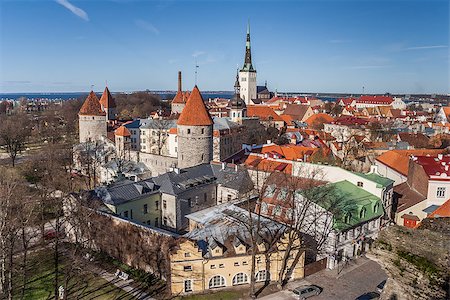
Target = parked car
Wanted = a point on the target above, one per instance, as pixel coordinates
(369, 296)
(380, 286)
(51, 234)
(303, 292)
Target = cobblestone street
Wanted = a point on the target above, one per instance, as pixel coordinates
(358, 277)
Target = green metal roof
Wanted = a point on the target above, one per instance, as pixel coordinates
(379, 180)
(349, 198)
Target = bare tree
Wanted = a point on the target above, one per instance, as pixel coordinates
(161, 128)
(14, 131)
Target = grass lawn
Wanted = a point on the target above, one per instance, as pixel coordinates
(82, 286)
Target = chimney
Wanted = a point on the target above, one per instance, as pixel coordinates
(179, 81)
(374, 169)
(440, 156)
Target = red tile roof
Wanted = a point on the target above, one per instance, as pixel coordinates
(399, 159)
(350, 120)
(384, 100)
(195, 112)
(346, 101)
(107, 101)
(264, 113)
(91, 106)
(319, 118)
(267, 165)
(122, 131)
(436, 167)
(181, 97)
(442, 212)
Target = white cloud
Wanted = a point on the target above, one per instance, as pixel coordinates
(75, 10)
(147, 26)
(427, 47)
(198, 53)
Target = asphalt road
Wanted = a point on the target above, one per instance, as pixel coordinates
(356, 279)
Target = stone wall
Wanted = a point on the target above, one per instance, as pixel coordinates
(195, 145)
(91, 128)
(157, 164)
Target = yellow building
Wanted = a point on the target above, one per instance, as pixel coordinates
(216, 254)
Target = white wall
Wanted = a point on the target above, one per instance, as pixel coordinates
(390, 173)
(432, 192)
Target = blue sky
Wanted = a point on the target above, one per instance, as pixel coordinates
(324, 46)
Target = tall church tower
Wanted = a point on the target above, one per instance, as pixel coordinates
(195, 132)
(238, 109)
(247, 75)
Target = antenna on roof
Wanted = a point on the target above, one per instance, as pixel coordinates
(106, 83)
(196, 67)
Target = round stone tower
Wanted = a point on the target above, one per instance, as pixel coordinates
(195, 132)
(91, 119)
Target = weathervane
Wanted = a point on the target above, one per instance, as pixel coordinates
(196, 67)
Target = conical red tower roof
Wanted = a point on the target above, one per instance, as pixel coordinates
(195, 112)
(91, 106)
(107, 100)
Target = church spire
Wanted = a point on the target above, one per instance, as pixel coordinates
(248, 54)
(237, 87)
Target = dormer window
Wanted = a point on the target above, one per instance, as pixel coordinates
(347, 218)
(362, 213)
(376, 208)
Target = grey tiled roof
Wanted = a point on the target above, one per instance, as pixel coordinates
(231, 178)
(125, 191)
(158, 124)
(174, 183)
(222, 222)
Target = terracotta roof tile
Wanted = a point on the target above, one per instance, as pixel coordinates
(195, 112)
(91, 106)
(442, 212)
(266, 165)
(107, 101)
(382, 100)
(399, 159)
(181, 97)
(319, 118)
(122, 131)
(264, 113)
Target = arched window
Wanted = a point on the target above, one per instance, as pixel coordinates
(216, 281)
(262, 275)
(240, 278)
